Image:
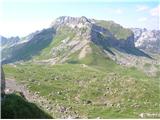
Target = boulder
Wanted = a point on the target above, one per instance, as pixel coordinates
(2, 82)
(88, 102)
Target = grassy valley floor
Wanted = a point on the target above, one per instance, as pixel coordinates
(82, 91)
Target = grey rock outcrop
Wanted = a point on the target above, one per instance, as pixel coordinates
(105, 37)
(9, 41)
(73, 22)
(148, 40)
(2, 82)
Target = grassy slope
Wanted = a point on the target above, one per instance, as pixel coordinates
(72, 85)
(62, 34)
(27, 50)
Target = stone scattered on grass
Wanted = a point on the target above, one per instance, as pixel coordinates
(88, 102)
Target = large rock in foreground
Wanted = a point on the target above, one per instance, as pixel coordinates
(2, 82)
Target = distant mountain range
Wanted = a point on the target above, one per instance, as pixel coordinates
(80, 36)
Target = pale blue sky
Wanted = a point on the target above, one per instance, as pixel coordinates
(21, 17)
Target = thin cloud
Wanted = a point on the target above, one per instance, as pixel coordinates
(142, 19)
(155, 11)
(142, 8)
(119, 11)
(14, 28)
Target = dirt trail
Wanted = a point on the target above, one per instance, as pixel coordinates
(12, 85)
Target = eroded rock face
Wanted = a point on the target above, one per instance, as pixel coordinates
(6, 42)
(148, 40)
(73, 22)
(2, 82)
(105, 37)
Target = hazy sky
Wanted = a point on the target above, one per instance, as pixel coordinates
(21, 17)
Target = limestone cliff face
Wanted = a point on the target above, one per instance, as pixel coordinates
(100, 32)
(148, 40)
(105, 37)
(6, 42)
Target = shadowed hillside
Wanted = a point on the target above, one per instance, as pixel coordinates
(15, 106)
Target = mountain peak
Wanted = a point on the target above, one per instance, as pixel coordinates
(70, 19)
(85, 19)
(66, 20)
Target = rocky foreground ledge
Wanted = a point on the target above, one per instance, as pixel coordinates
(54, 109)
